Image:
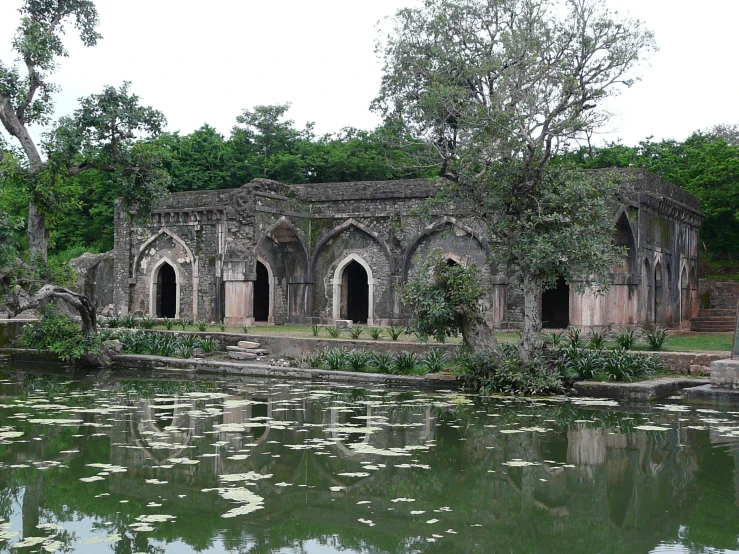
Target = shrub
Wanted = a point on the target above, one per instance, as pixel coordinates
(148, 322)
(487, 373)
(184, 351)
(356, 332)
(57, 334)
(597, 340)
(435, 361)
(655, 338)
(395, 332)
(183, 324)
(626, 338)
(315, 329)
(574, 336)
(405, 363)
(222, 326)
(168, 324)
(128, 321)
(113, 322)
(383, 362)
(202, 325)
(335, 358)
(374, 332)
(358, 359)
(245, 329)
(333, 331)
(553, 340)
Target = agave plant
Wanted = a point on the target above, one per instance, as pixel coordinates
(356, 332)
(435, 361)
(357, 360)
(405, 363)
(626, 338)
(333, 331)
(655, 338)
(374, 332)
(336, 358)
(383, 362)
(395, 332)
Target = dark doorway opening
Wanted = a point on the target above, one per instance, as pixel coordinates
(259, 412)
(355, 293)
(261, 294)
(166, 291)
(451, 263)
(555, 306)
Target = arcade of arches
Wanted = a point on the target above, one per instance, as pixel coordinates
(273, 253)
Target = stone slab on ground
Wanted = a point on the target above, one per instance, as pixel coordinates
(651, 389)
(725, 374)
(708, 394)
(247, 344)
(145, 362)
(236, 355)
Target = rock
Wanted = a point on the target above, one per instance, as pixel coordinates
(108, 311)
(344, 323)
(242, 355)
(247, 344)
(113, 345)
(699, 369)
(198, 353)
(95, 277)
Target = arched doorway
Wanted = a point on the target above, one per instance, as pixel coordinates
(555, 306)
(261, 294)
(166, 295)
(647, 286)
(684, 296)
(355, 293)
(657, 292)
(624, 237)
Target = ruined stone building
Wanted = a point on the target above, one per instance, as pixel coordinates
(274, 253)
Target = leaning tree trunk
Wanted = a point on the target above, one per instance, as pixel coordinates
(477, 335)
(531, 320)
(19, 301)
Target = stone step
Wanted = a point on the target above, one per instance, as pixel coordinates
(243, 355)
(716, 312)
(247, 344)
(712, 327)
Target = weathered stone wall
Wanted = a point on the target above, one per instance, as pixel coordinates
(95, 278)
(306, 235)
(722, 295)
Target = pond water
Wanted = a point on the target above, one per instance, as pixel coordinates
(156, 465)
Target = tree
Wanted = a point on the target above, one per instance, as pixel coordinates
(101, 134)
(494, 89)
(444, 300)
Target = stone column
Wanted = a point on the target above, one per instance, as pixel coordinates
(239, 295)
(299, 299)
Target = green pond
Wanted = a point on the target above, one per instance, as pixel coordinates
(119, 463)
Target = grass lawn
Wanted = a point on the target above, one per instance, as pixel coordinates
(675, 343)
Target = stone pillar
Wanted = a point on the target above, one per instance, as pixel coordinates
(299, 299)
(239, 296)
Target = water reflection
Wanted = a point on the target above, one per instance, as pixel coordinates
(246, 466)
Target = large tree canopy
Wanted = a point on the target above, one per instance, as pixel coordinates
(494, 89)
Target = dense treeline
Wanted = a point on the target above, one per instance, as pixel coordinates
(706, 164)
(264, 143)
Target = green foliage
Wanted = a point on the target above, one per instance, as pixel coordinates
(357, 360)
(626, 338)
(168, 324)
(406, 363)
(597, 339)
(245, 329)
(202, 325)
(394, 332)
(383, 362)
(655, 338)
(553, 340)
(435, 361)
(574, 336)
(333, 331)
(440, 295)
(486, 373)
(159, 344)
(148, 322)
(183, 323)
(315, 329)
(705, 164)
(222, 327)
(605, 365)
(356, 332)
(128, 321)
(374, 332)
(57, 334)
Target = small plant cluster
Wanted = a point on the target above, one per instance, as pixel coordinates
(160, 344)
(375, 333)
(488, 373)
(56, 333)
(626, 339)
(405, 363)
(588, 358)
(130, 321)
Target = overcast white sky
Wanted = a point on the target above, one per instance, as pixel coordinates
(203, 62)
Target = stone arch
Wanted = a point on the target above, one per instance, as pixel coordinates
(624, 236)
(432, 228)
(340, 229)
(163, 231)
(153, 283)
(285, 234)
(270, 290)
(337, 286)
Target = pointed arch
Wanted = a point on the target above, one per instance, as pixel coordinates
(432, 228)
(153, 282)
(270, 290)
(337, 285)
(286, 235)
(351, 222)
(163, 231)
(624, 236)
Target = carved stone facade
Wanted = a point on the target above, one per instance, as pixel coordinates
(317, 253)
